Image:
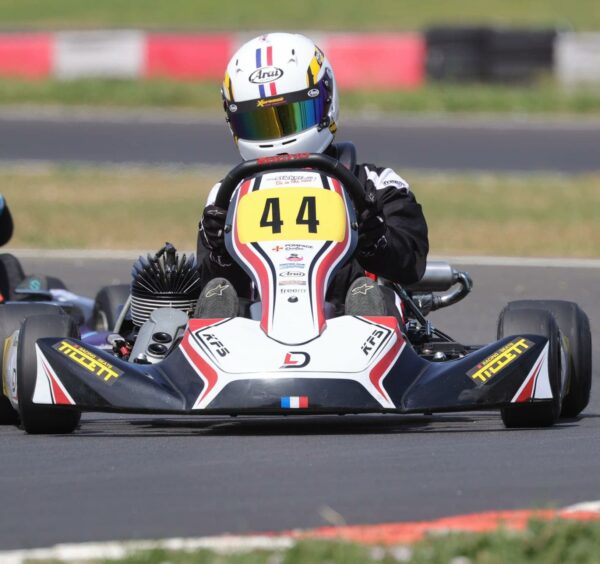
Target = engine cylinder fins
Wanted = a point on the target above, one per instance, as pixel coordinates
(166, 279)
(140, 311)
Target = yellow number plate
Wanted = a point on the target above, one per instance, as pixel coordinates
(256, 221)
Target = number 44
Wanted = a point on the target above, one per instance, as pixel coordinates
(307, 214)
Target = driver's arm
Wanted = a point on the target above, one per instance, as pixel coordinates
(213, 259)
(403, 256)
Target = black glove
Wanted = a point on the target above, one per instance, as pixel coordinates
(371, 225)
(212, 232)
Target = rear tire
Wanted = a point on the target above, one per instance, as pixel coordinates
(41, 419)
(11, 317)
(534, 322)
(575, 326)
(107, 306)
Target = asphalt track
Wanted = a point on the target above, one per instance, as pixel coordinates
(192, 139)
(143, 477)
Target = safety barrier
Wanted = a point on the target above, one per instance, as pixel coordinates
(488, 54)
(366, 61)
(134, 54)
(578, 58)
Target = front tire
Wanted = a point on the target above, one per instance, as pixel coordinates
(41, 419)
(534, 322)
(575, 326)
(11, 317)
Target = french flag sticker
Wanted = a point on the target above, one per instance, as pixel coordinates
(294, 402)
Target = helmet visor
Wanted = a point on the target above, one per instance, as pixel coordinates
(279, 116)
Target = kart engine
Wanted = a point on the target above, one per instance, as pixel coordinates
(166, 280)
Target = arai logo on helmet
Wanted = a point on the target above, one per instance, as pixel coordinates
(265, 74)
(313, 92)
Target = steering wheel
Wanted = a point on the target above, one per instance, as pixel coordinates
(314, 161)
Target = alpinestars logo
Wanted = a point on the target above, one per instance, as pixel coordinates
(295, 359)
(217, 290)
(362, 289)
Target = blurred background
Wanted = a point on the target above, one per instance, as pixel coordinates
(111, 119)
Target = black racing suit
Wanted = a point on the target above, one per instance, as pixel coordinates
(401, 258)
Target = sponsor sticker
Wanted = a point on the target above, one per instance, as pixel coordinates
(292, 290)
(373, 341)
(89, 361)
(291, 274)
(291, 265)
(496, 362)
(264, 75)
(286, 180)
(313, 92)
(292, 178)
(213, 343)
(297, 246)
(294, 257)
(268, 102)
(292, 247)
(301, 179)
(292, 282)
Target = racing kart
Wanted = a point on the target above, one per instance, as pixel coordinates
(181, 349)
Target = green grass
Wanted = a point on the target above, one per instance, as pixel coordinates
(338, 15)
(113, 93)
(519, 215)
(555, 542)
(305, 552)
(545, 98)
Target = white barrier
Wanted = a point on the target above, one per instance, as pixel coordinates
(114, 54)
(577, 58)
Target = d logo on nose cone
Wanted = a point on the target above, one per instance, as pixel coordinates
(295, 359)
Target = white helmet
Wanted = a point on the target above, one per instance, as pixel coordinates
(280, 96)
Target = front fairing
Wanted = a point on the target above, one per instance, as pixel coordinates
(358, 364)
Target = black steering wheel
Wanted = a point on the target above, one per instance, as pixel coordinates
(314, 161)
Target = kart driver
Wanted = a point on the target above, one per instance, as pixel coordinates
(393, 240)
